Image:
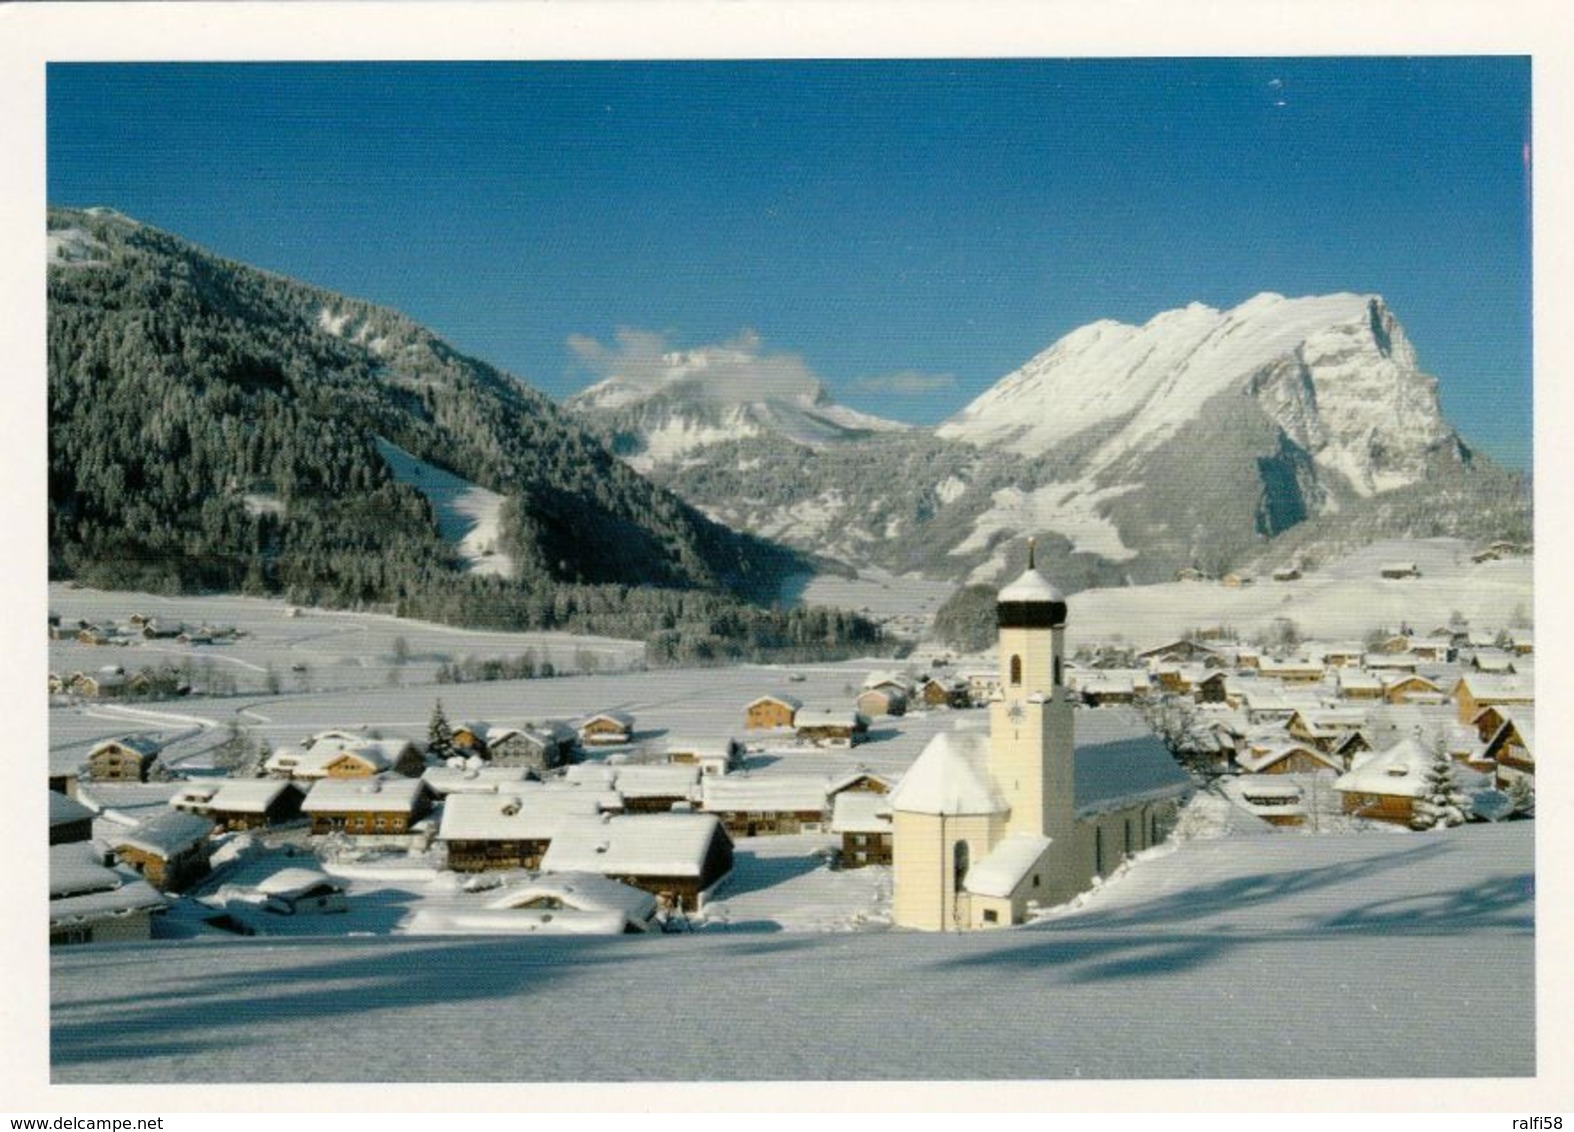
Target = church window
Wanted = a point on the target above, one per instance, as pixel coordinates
(1128, 835)
(1098, 850)
(1057, 671)
(959, 863)
(1016, 671)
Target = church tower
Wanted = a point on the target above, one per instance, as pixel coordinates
(1030, 722)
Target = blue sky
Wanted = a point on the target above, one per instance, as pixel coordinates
(910, 230)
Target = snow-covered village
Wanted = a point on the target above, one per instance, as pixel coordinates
(1260, 796)
(872, 573)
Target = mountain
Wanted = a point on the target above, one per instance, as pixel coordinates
(1201, 438)
(667, 409)
(212, 426)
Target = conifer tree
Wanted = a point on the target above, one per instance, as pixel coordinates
(439, 736)
(1443, 804)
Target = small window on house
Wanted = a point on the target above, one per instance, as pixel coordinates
(1016, 671)
(1035, 880)
(991, 916)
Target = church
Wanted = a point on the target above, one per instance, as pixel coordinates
(990, 827)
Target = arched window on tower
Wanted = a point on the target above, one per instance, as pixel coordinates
(1016, 671)
(959, 862)
(1057, 672)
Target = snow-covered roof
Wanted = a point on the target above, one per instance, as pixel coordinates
(861, 811)
(82, 891)
(598, 776)
(657, 781)
(1031, 586)
(950, 776)
(314, 763)
(64, 811)
(620, 719)
(777, 792)
(1487, 687)
(1279, 752)
(791, 702)
(76, 867)
(244, 795)
(666, 845)
(1006, 866)
(520, 815)
(445, 780)
(827, 716)
(1399, 770)
(294, 880)
(1121, 762)
(144, 745)
(584, 892)
(166, 834)
(363, 795)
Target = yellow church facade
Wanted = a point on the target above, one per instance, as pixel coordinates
(988, 828)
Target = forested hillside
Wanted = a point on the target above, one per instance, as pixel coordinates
(213, 427)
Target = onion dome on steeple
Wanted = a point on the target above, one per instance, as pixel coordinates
(1030, 602)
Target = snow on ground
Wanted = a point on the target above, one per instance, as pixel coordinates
(307, 647)
(1343, 601)
(1070, 508)
(468, 516)
(1270, 957)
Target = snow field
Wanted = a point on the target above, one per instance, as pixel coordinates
(1292, 957)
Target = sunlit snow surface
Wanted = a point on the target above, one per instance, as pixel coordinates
(1262, 957)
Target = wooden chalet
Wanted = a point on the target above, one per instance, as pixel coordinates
(127, 759)
(1212, 689)
(679, 858)
(1493, 661)
(92, 903)
(541, 746)
(170, 850)
(1472, 692)
(1384, 785)
(712, 756)
(1294, 671)
(103, 684)
(607, 728)
(658, 789)
(771, 712)
(933, 692)
(366, 806)
(1397, 570)
(1323, 728)
(831, 727)
(1288, 758)
(1410, 688)
(884, 700)
(1287, 574)
(1357, 684)
(863, 819)
(1344, 656)
(1177, 652)
(1513, 749)
(242, 804)
(512, 830)
(767, 805)
(323, 761)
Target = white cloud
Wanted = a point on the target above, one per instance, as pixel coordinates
(737, 370)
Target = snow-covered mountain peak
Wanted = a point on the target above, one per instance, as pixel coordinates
(1333, 370)
(669, 405)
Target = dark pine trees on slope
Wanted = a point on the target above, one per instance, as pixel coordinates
(213, 427)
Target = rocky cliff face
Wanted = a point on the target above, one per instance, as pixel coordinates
(1197, 438)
